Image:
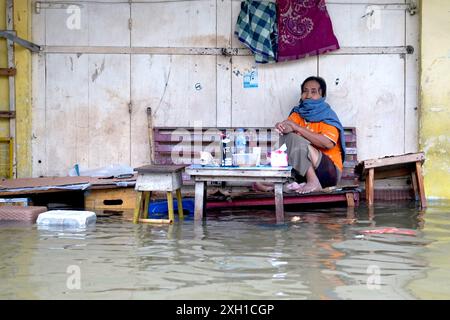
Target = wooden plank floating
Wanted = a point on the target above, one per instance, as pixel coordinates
(156, 221)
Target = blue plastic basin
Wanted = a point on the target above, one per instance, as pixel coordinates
(157, 209)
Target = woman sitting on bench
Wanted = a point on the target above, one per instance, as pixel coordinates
(315, 141)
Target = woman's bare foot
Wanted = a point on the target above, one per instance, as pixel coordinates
(312, 182)
(309, 187)
(261, 186)
(294, 186)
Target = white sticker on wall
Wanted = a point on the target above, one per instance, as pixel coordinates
(251, 79)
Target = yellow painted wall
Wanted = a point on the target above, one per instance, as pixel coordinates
(22, 25)
(435, 96)
(3, 64)
(3, 61)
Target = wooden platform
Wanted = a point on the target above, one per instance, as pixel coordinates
(184, 144)
(346, 195)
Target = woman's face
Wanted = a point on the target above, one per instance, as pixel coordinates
(311, 90)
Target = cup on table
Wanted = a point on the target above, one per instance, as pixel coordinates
(257, 155)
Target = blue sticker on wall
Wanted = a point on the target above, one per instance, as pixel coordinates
(251, 79)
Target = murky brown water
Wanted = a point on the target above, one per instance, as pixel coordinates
(326, 254)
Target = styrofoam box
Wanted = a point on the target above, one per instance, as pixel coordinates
(66, 218)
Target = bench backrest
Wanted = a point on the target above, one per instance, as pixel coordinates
(183, 145)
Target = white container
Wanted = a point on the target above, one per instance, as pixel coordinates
(257, 155)
(279, 159)
(69, 218)
(244, 160)
(240, 141)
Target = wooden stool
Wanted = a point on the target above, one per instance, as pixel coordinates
(158, 178)
(394, 166)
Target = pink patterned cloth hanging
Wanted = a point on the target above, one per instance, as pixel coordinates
(304, 29)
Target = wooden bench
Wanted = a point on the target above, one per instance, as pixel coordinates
(182, 146)
(394, 166)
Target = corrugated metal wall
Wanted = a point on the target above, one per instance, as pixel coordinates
(105, 62)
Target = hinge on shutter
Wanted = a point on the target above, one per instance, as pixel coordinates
(412, 7)
(130, 107)
(37, 7)
(130, 23)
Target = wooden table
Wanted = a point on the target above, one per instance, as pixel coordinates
(203, 174)
(394, 166)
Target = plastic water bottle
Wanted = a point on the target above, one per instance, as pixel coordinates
(227, 156)
(240, 141)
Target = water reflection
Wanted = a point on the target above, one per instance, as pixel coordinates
(378, 265)
(235, 254)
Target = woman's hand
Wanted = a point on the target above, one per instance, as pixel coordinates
(279, 127)
(283, 127)
(290, 126)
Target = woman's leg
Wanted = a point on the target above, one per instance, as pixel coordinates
(314, 156)
(297, 147)
(298, 151)
(312, 181)
(304, 158)
(263, 186)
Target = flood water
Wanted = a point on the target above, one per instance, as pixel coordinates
(333, 253)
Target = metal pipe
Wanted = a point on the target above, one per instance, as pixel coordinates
(208, 51)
